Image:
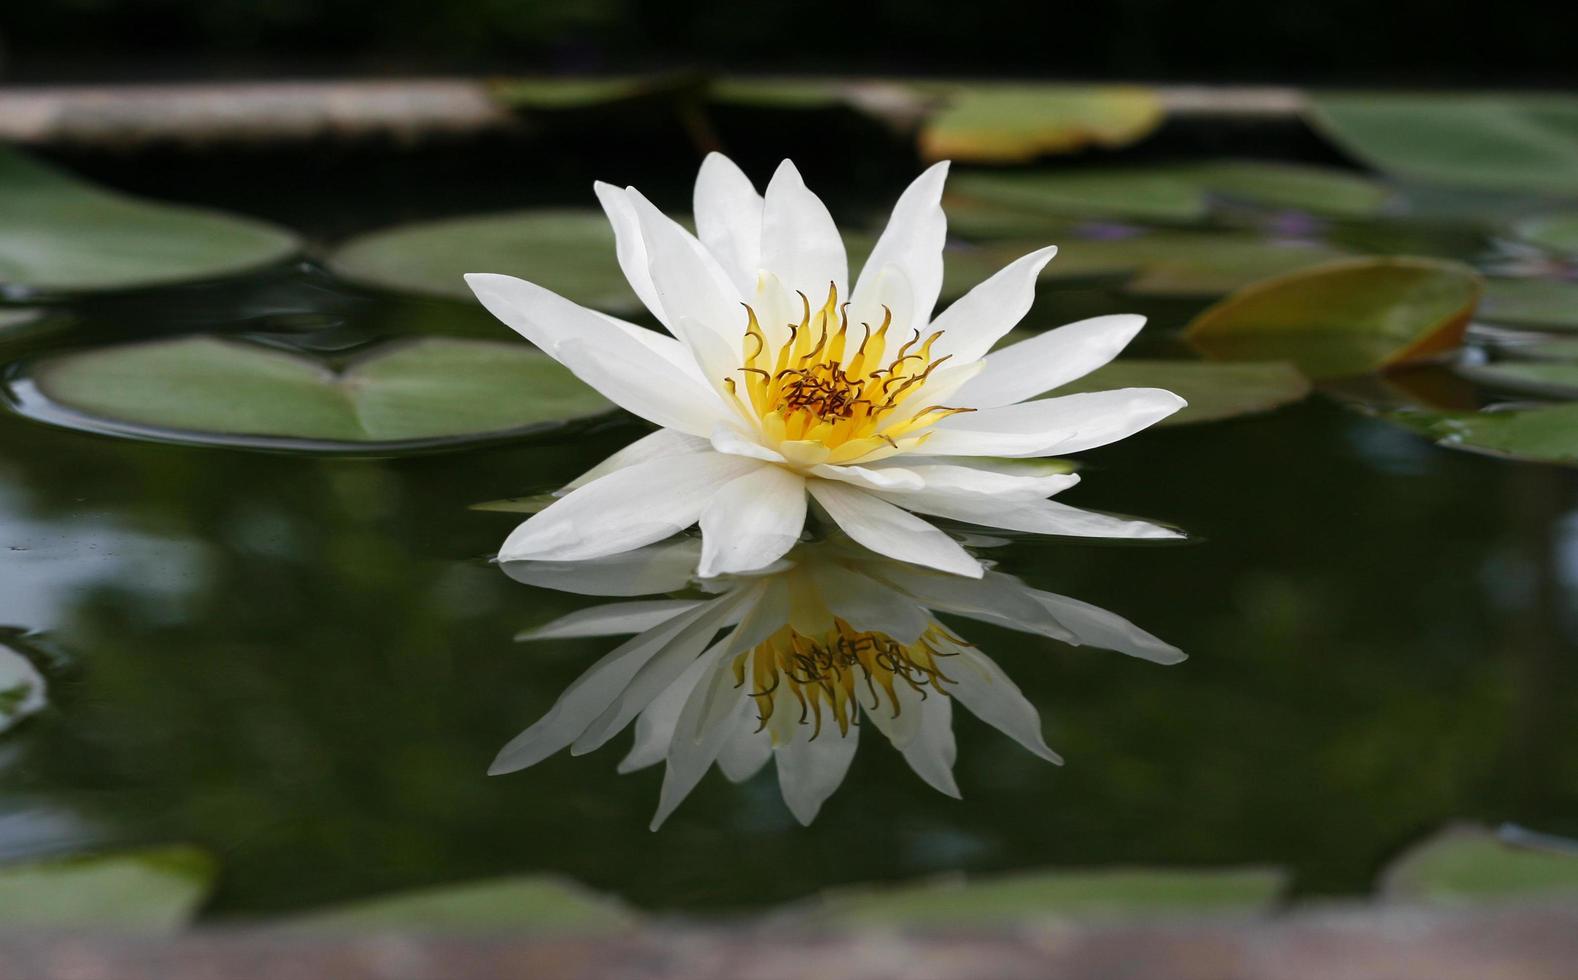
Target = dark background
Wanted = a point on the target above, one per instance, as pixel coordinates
(1394, 42)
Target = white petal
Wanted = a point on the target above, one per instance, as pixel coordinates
(890, 293)
(727, 438)
(1029, 515)
(887, 478)
(613, 619)
(1094, 626)
(969, 479)
(629, 245)
(980, 318)
(710, 715)
(752, 521)
(661, 669)
(890, 531)
(689, 281)
(800, 242)
(912, 241)
(729, 219)
(932, 752)
(746, 751)
(626, 509)
(655, 724)
(665, 567)
(663, 442)
(1052, 426)
(1049, 360)
(591, 694)
(980, 685)
(810, 769)
(602, 353)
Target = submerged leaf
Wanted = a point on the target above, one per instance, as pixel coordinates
(60, 234)
(402, 395)
(568, 251)
(1008, 123)
(1343, 318)
(156, 890)
(1465, 865)
(1079, 894)
(538, 902)
(1500, 142)
(1213, 391)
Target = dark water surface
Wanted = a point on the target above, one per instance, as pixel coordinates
(305, 664)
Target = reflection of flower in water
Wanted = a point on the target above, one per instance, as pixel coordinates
(777, 380)
(813, 649)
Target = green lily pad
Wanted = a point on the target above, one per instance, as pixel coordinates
(1213, 391)
(1135, 193)
(1469, 865)
(60, 234)
(1554, 233)
(427, 393)
(153, 890)
(1288, 186)
(1549, 304)
(22, 688)
(568, 251)
(1007, 123)
(1539, 435)
(561, 94)
(1181, 263)
(1540, 378)
(538, 903)
(1499, 142)
(1077, 894)
(1343, 318)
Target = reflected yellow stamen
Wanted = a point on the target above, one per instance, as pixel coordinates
(810, 388)
(831, 677)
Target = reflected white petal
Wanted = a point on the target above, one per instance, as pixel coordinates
(613, 619)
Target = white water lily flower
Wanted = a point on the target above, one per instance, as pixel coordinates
(773, 385)
(832, 639)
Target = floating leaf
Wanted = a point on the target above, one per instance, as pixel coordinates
(1213, 391)
(1554, 233)
(1005, 123)
(1169, 263)
(1137, 193)
(1550, 304)
(1543, 379)
(1540, 435)
(560, 94)
(1343, 318)
(60, 234)
(898, 104)
(156, 890)
(430, 392)
(1464, 865)
(1502, 142)
(568, 251)
(1081, 894)
(539, 903)
(22, 688)
(1319, 190)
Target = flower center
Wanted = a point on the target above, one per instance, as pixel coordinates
(817, 387)
(834, 675)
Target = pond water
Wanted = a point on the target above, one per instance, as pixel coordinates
(305, 663)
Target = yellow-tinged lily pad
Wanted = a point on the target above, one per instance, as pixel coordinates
(1075, 893)
(1213, 391)
(1548, 304)
(538, 902)
(1469, 865)
(60, 234)
(1008, 123)
(429, 393)
(157, 889)
(1343, 318)
(1499, 142)
(568, 251)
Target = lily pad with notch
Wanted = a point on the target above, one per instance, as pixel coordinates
(1343, 318)
(62, 234)
(433, 393)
